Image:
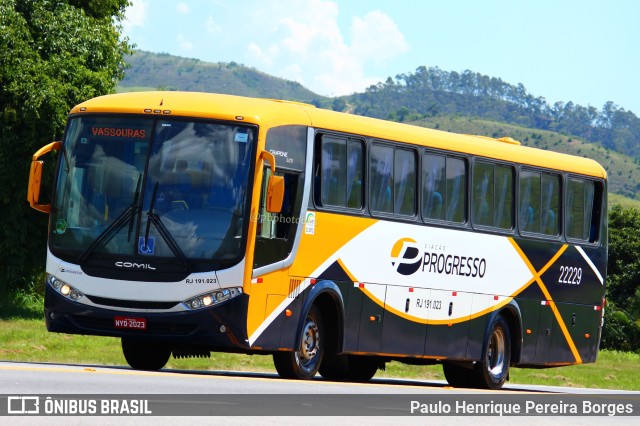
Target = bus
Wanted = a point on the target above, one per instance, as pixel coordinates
(190, 223)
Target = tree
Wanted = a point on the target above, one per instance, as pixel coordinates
(339, 105)
(53, 55)
(622, 314)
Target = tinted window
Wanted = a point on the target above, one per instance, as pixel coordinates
(579, 209)
(444, 188)
(393, 180)
(539, 203)
(493, 195)
(340, 173)
(381, 171)
(456, 190)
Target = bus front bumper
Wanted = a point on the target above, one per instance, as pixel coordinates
(220, 327)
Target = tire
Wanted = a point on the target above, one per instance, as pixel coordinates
(350, 368)
(145, 355)
(459, 376)
(493, 370)
(303, 363)
(362, 368)
(333, 367)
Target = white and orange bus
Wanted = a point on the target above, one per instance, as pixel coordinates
(186, 223)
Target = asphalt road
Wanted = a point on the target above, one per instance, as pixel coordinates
(232, 392)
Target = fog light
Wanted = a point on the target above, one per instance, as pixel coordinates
(63, 288)
(55, 283)
(74, 294)
(223, 295)
(212, 298)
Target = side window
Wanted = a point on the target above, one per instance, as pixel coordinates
(404, 182)
(393, 180)
(381, 172)
(493, 195)
(483, 194)
(550, 212)
(276, 231)
(504, 200)
(434, 186)
(444, 188)
(339, 174)
(539, 209)
(456, 190)
(580, 196)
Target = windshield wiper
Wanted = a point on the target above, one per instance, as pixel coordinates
(127, 215)
(136, 197)
(152, 217)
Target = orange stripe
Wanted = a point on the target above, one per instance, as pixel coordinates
(547, 295)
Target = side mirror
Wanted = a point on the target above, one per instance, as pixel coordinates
(275, 186)
(35, 177)
(275, 194)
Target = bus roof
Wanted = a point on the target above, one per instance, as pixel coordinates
(267, 113)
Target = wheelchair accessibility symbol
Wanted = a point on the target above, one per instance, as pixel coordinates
(146, 248)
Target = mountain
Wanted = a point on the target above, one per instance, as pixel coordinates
(151, 71)
(458, 102)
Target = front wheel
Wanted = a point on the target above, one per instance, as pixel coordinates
(350, 368)
(144, 355)
(303, 363)
(460, 376)
(493, 370)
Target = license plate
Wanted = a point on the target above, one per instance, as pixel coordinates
(130, 322)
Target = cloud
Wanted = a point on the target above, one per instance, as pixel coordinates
(135, 15)
(376, 37)
(211, 26)
(306, 44)
(184, 44)
(183, 8)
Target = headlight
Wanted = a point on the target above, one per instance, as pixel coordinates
(212, 298)
(63, 288)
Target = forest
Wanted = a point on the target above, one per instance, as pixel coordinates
(432, 91)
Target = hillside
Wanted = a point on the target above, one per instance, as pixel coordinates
(462, 103)
(150, 71)
(431, 92)
(623, 171)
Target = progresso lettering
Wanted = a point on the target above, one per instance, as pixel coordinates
(454, 265)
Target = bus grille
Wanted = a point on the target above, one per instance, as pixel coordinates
(294, 288)
(132, 304)
(106, 324)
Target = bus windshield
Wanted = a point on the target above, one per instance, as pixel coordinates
(138, 186)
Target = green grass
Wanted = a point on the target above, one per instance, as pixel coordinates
(27, 340)
(24, 338)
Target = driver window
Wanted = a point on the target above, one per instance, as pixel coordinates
(276, 231)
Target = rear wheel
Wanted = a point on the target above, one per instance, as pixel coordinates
(492, 372)
(145, 355)
(304, 362)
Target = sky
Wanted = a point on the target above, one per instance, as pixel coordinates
(583, 51)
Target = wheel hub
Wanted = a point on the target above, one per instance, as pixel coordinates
(496, 354)
(310, 341)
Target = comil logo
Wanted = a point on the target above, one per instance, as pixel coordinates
(406, 256)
